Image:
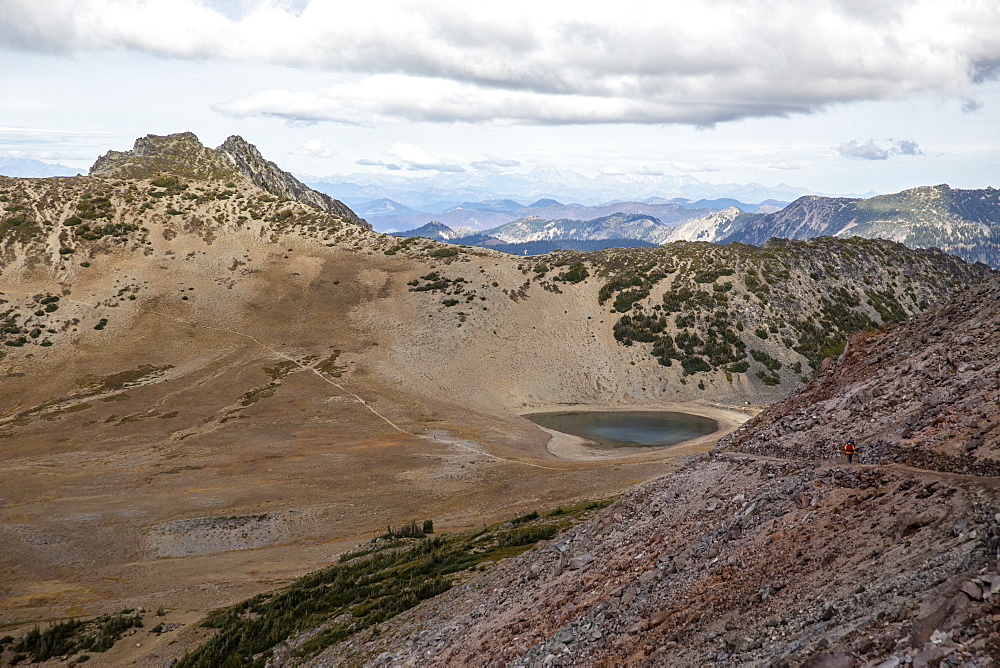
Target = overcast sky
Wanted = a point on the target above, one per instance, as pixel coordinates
(834, 95)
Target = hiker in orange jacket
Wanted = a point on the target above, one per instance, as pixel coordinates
(849, 451)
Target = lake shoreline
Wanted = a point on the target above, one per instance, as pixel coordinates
(575, 448)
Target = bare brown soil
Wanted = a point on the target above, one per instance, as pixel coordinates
(241, 387)
(773, 550)
(195, 452)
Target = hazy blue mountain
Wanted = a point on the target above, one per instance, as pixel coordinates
(486, 215)
(33, 169)
(615, 226)
(720, 203)
(668, 213)
(494, 206)
(542, 247)
(384, 207)
(965, 223)
(544, 181)
(438, 231)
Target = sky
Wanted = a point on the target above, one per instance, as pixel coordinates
(838, 96)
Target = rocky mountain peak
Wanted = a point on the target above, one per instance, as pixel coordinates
(180, 154)
(183, 154)
(266, 175)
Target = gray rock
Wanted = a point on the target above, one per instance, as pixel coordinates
(564, 636)
(930, 655)
(936, 608)
(835, 659)
(990, 583)
(268, 176)
(972, 590)
(638, 627)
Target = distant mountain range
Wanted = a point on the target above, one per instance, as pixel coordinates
(965, 223)
(616, 230)
(440, 193)
(389, 216)
(33, 169)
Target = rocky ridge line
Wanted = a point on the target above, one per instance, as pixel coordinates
(268, 176)
(183, 154)
(924, 395)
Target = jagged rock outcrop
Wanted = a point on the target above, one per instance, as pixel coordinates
(182, 154)
(268, 176)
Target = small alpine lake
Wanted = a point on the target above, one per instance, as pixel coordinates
(627, 429)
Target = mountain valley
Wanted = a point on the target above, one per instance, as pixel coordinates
(216, 380)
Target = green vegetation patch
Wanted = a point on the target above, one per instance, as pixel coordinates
(282, 369)
(94, 232)
(171, 186)
(367, 586)
(766, 360)
(258, 393)
(330, 367)
(65, 638)
(576, 273)
(20, 228)
(121, 380)
(93, 206)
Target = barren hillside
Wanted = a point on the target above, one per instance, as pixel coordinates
(214, 381)
(774, 550)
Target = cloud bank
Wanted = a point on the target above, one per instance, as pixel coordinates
(314, 148)
(870, 150)
(691, 61)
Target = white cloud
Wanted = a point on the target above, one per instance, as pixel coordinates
(906, 147)
(684, 167)
(969, 106)
(494, 164)
(871, 150)
(314, 148)
(522, 62)
(368, 162)
(414, 157)
(855, 150)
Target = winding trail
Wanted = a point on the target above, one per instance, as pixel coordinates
(277, 353)
(346, 391)
(319, 374)
(986, 481)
